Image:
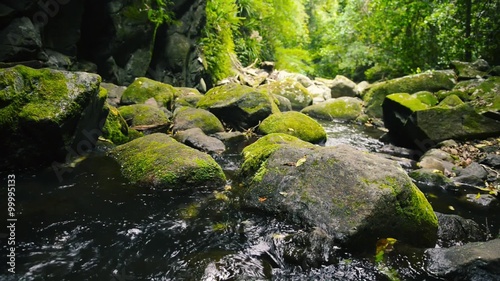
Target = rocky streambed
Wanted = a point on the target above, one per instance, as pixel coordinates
(249, 182)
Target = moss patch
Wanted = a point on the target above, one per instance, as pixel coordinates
(409, 101)
(115, 128)
(142, 114)
(188, 118)
(296, 124)
(143, 89)
(426, 97)
(158, 160)
(345, 109)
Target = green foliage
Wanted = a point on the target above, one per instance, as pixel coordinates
(218, 40)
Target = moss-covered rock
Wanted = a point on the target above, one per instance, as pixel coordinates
(296, 124)
(412, 123)
(283, 103)
(240, 107)
(115, 128)
(428, 81)
(188, 118)
(187, 97)
(426, 97)
(143, 114)
(159, 161)
(450, 101)
(467, 70)
(343, 87)
(431, 177)
(354, 196)
(47, 115)
(143, 89)
(290, 89)
(344, 109)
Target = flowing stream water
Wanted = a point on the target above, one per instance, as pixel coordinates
(94, 225)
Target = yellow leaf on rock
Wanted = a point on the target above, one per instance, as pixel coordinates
(300, 161)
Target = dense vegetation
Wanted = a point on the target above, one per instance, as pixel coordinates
(363, 39)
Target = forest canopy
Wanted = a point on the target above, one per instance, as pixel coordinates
(362, 39)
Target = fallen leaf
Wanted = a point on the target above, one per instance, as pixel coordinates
(478, 195)
(284, 193)
(384, 245)
(451, 208)
(300, 161)
(262, 199)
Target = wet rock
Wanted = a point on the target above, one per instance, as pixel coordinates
(296, 124)
(454, 230)
(478, 261)
(143, 89)
(290, 89)
(487, 201)
(310, 249)
(492, 160)
(240, 107)
(188, 118)
(196, 138)
(343, 87)
(431, 177)
(473, 175)
(343, 109)
(353, 196)
(64, 109)
(428, 81)
(159, 161)
(412, 123)
(143, 114)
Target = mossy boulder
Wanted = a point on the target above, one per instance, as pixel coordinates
(412, 123)
(115, 128)
(296, 124)
(283, 103)
(450, 101)
(467, 70)
(343, 87)
(343, 109)
(188, 118)
(240, 107)
(48, 115)
(159, 161)
(354, 196)
(289, 88)
(143, 114)
(142, 89)
(426, 97)
(187, 97)
(429, 81)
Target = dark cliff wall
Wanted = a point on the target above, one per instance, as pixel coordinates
(113, 38)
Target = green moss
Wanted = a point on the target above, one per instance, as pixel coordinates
(158, 160)
(450, 101)
(426, 97)
(340, 109)
(411, 102)
(297, 94)
(295, 124)
(142, 114)
(115, 128)
(143, 89)
(187, 118)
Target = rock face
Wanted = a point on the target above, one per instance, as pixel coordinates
(414, 124)
(479, 261)
(429, 81)
(354, 196)
(46, 115)
(342, 109)
(291, 89)
(159, 161)
(296, 124)
(114, 36)
(240, 107)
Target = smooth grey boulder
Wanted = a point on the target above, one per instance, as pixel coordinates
(197, 139)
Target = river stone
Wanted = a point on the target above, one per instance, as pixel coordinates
(432, 177)
(290, 89)
(429, 81)
(115, 93)
(454, 230)
(143, 114)
(187, 97)
(143, 89)
(159, 161)
(478, 261)
(492, 160)
(412, 123)
(47, 114)
(240, 107)
(196, 138)
(320, 91)
(188, 118)
(283, 103)
(354, 196)
(296, 124)
(115, 128)
(344, 109)
(343, 87)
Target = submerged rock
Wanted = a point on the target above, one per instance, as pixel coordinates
(159, 161)
(47, 114)
(296, 124)
(354, 196)
(478, 261)
(428, 81)
(240, 107)
(343, 109)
